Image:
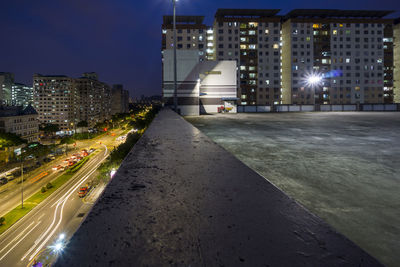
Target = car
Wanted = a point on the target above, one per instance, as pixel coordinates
(83, 191)
(3, 181)
(91, 150)
(9, 176)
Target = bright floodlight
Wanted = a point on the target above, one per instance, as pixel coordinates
(61, 236)
(112, 173)
(314, 79)
(58, 247)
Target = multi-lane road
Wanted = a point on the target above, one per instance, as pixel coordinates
(29, 239)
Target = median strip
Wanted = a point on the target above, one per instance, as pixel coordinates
(17, 213)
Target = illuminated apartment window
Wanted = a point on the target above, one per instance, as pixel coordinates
(253, 24)
(334, 32)
(251, 68)
(341, 25)
(252, 32)
(243, 39)
(242, 67)
(316, 26)
(243, 46)
(276, 46)
(266, 31)
(252, 46)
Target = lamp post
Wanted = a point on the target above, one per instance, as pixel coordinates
(175, 75)
(314, 80)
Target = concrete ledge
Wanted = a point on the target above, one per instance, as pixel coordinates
(181, 200)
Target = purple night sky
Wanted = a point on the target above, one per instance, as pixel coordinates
(120, 39)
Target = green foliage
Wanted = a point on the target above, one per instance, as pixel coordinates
(78, 165)
(50, 128)
(67, 140)
(43, 190)
(83, 136)
(82, 124)
(49, 186)
(10, 139)
(38, 151)
(2, 220)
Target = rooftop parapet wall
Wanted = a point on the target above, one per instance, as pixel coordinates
(181, 200)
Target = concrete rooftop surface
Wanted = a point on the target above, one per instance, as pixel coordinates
(179, 199)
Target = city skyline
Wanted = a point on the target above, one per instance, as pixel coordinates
(111, 39)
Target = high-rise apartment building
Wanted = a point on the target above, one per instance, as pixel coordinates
(21, 94)
(308, 56)
(252, 38)
(119, 99)
(350, 50)
(54, 97)
(6, 83)
(93, 99)
(191, 34)
(66, 101)
(396, 57)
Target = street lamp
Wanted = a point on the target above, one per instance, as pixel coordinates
(175, 75)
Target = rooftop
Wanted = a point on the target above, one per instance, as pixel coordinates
(337, 13)
(11, 111)
(183, 20)
(179, 199)
(240, 13)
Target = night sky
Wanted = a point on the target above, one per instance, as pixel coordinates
(118, 39)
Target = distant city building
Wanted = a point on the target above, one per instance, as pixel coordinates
(6, 83)
(20, 121)
(66, 101)
(308, 56)
(203, 86)
(92, 99)
(21, 95)
(120, 99)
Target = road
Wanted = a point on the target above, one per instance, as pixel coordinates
(41, 227)
(62, 212)
(10, 194)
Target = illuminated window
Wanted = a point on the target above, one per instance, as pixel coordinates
(316, 26)
(253, 24)
(308, 38)
(341, 25)
(334, 32)
(266, 31)
(252, 32)
(252, 68)
(276, 46)
(252, 46)
(243, 46)
(242, 67)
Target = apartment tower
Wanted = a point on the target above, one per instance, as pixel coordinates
(252, 38)
(350, 50)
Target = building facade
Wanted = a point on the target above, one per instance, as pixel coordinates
(396, 56)
(120, 99)
(20, 121)
(202, 86)
(349, 50)
(66, 101)
(6, 83)
(352, 53)
(92, 99)
(21, 95)
(252, 39)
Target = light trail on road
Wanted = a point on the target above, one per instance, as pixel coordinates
(44, 234)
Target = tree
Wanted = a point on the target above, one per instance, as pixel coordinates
(82, 124)
(10, 139)
(67, 140)
(50, 128)
(43, 189)
(49, 186)
(2, 220)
